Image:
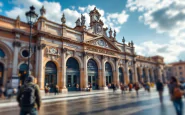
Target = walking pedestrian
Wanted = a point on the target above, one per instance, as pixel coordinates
(122, 88)
(137, 88)
(160, 88)
(56, 89)
(29, 98)
(176, 95)
(130, 87)
(114, 87)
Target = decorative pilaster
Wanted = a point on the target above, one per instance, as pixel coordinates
(135, 72)
(103, 73)
(64, 89)
(126, 72)
(85, 70)
(16, 44)
(117, 73)
(41, 66)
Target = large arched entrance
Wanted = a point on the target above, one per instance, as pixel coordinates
(92, 69)
(1, 73)
(108, 73)
(138, 75)
(72, 74)
(130, 76)
(2, 55)
(150, 75)
(51, 75)
(23, 72)
(144, 75)
(121, 76)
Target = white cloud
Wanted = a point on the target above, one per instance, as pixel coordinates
(170, 52)
(165, 16)
(1, 5)
(82, 9)
(54, 12)
(121, 18)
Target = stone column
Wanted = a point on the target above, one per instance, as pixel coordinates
(64, 89)
(85, 71)
(100, 78)
(117, 73)
(82, 79)
(135, 73)
(41, 66)
(16, 44)
(103, 74)
(126, 73)
(37, 63)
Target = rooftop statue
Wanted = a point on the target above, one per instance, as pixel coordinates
(78, 23)
(110, 33)
(83, 20)
(114, 34)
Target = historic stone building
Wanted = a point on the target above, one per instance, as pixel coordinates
(176, 69)
(68, 56)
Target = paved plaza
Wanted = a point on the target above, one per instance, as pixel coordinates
(105, 103)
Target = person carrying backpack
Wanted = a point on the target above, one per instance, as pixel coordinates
(29, 98)
(160, 88)
(176, 95)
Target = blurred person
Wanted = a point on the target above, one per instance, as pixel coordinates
(122, 88)
(130, 87)
(176, 95)
(56, 89)
(160, 88)
(137, 88)
(77, 87)
(29, 98)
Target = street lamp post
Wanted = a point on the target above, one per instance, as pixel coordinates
(31, 19)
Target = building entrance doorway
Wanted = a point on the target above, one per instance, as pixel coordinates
(121, 76)
(72, 74)
(92, 74)
(108, 74)
(51, 75)
(23, 72)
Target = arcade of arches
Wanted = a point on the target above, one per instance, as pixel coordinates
(71, 57)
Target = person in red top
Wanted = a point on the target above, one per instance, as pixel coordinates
(130, 87)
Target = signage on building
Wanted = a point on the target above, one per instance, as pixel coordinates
(100, 51)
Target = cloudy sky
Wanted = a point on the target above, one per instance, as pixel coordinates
(157, 27)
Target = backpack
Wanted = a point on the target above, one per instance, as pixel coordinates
(177, 93)
(28, 96)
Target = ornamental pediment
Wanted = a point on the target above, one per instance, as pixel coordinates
(102, 42)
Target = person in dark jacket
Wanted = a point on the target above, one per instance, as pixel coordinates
(160, 88)
(33, 109)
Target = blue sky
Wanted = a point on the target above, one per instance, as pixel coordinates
(155, 26)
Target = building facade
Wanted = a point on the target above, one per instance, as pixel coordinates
(176, 69)
(68, 56)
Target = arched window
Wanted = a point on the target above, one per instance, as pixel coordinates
(2, 54)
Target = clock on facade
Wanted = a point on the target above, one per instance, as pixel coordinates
(99, 29)
(53, 51)
(95, 17)
(101, 43)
